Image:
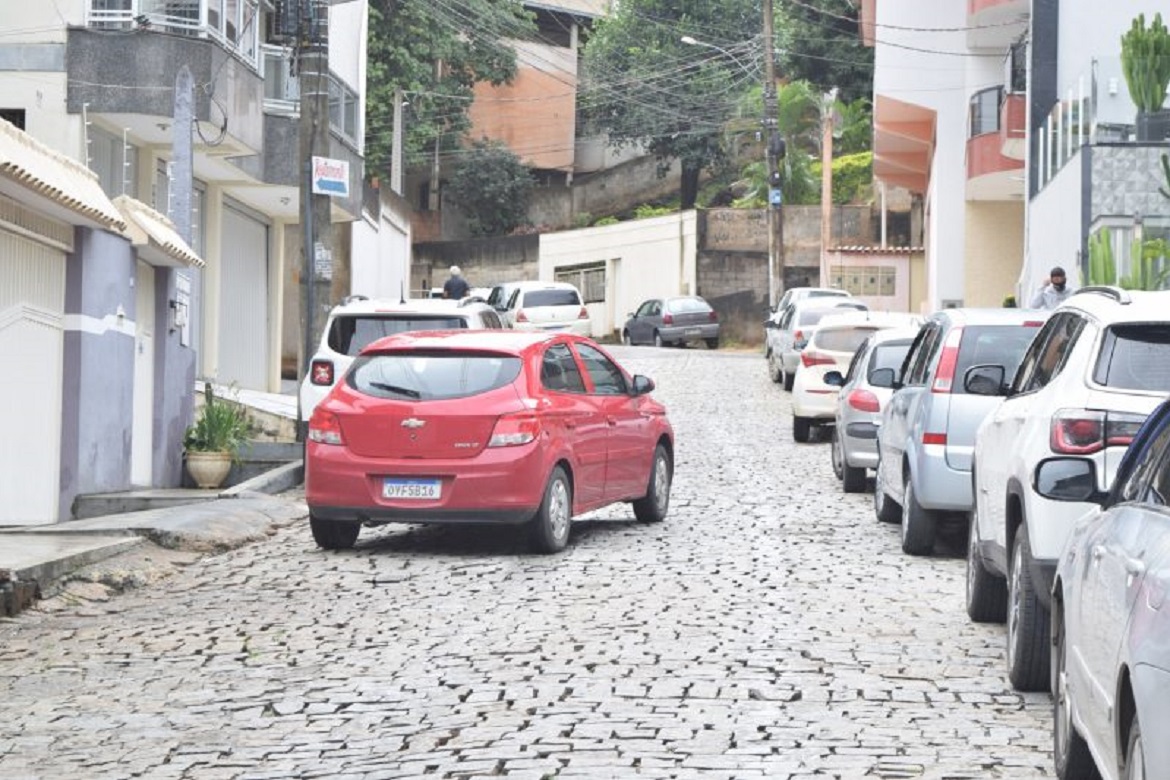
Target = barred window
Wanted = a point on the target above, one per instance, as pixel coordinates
(588, 278)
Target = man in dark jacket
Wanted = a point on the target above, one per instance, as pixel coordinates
(456, 287)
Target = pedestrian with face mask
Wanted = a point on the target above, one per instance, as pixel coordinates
(1053, 292)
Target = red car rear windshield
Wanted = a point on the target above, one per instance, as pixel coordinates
(351, 333)
(1135, 357)
(431, 376)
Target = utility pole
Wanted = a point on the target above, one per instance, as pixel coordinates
(775, 158)
(827, 102)
(312, 56)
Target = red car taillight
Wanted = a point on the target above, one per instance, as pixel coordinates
(321, 372)
(584, 314)
(512, 430)
(1083, 432)
(813, 358)
(863, 401)
(325, 428)
(934, 438)
(668, 319)
(521, 316)
(945, 376)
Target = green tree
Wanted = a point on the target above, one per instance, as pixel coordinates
(491, 187)
(406, 41)
(645, 86)
(820, 43)
(798, 120)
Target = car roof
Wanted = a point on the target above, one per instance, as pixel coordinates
(990, 316)
(499, 340)
(1113, 305)
(882, 319)
(894, 334)
(544, 286)
(831, 290)
(409, 306)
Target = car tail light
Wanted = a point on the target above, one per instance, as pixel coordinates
(321, 372)
(1083, 432)
(934, 438)
(583, 314)
(515, 429)
(668, 319)
(325, 428)
(813, 358)
(798, 339)
(521, 316)
(712, 316)
(945, 376)
(863, 401)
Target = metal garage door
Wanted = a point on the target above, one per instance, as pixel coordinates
(32, 307)
(243, 311)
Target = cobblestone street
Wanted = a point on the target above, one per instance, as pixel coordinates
(770, 627)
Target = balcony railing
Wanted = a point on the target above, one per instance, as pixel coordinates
(282, 94)
(234, 24)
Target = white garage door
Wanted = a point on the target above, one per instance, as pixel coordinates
(32, 307)
(243, 314)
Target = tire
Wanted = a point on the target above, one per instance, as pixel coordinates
(334, 534)
(885, 508)
(836, 457)
(852, 478)
(986, 592)
(1027, 623)
(1070, 752)
(1135, 753)
(658, 342)
(773, 372)
(549, 528)
(788, 378)
(652, 507)
(918, 524)
(802, 429)
(713, 343)
(629, 342)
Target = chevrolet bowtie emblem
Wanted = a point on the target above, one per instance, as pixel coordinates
(413, 423)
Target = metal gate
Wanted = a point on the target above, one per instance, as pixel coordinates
(243, 296)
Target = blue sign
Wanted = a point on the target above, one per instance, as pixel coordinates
(775, 197)
(330, 177)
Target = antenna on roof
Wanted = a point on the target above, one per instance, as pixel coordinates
(401, 292)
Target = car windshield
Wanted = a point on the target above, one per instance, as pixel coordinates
(431, 376)
(687, 305)
(552, 298)
(888, 354)
(841, 339)
(350, 334)
(1135, 357)
(1001, 345)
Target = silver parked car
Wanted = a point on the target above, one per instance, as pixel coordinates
(786, 337)
(673, 321)
(864, 391)
(1110, 629)
(927, 433)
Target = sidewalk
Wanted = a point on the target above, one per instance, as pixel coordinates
(36, 561)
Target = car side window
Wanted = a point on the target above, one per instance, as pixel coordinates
(608, 378)
(1159, 490)
(656, 308)
(1151, 472)
(1051, 354)
(490, 320)
(644, 309)
(917, 364)
(859, 357)
(1031, 357)
(513, 299)
(558, 371)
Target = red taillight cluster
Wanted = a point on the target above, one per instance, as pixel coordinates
(321, 372)
(583, 314)
(864, 401)
(325, 428)
(512, 430)
(798, 339)
(944, 378)
(668, 319)
(1083, 431)
(521, 316)
(712, 316)
(934, 438)
(813, 358)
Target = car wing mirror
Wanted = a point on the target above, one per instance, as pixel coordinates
(643, 384)
(985, 380)
(1067, 479)
(882, 377)
(834, 379)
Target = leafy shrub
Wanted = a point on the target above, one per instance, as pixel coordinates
(219, 426)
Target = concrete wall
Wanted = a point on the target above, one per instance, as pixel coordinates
(1055, 230)
(1125, 181)
(381, 250)
(994, 251)
(98, 394)
(610, 191)
(484, 262)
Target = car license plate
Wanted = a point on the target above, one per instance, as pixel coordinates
(412, 489)
(693, 331)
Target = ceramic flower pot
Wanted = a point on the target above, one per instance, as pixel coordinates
(209, 469)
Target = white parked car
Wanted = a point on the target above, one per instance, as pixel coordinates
(1086, 383)
(548, 306)
(831, 346)
(359, 321)
(787, 336)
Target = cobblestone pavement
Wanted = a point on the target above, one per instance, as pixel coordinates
(769, 628)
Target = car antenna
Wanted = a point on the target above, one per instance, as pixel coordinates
(402, 292)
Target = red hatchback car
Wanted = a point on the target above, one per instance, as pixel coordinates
(485, 427)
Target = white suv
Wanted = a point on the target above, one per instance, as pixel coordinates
(359, 321)
(1086, 383)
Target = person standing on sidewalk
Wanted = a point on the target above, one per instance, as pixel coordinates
(456, 288)
(1053, 292)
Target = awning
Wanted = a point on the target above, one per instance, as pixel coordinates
(45, 180)
(154, 236)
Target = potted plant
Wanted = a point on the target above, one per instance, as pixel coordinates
(1145, 61)
(213, 442)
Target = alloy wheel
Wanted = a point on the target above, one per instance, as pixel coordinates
(661, 482)
(558, 510)
(1062, 711)
(1135, 763)
(835, 455)
(1014, 607)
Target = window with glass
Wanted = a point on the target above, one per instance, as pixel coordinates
(559, 372)
(984, 111)
(350, 334)
(432, 376)
(607, 377)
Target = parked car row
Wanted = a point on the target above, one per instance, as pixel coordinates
(1048, 433)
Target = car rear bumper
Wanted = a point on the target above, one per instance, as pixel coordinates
(503, 485)
(576, 327)
(859, 444)
(938, 486)
(816, 404)
(690, 332)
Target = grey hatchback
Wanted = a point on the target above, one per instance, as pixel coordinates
(927, 432)
(666, 321)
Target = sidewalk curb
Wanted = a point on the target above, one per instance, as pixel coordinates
(21, 586)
